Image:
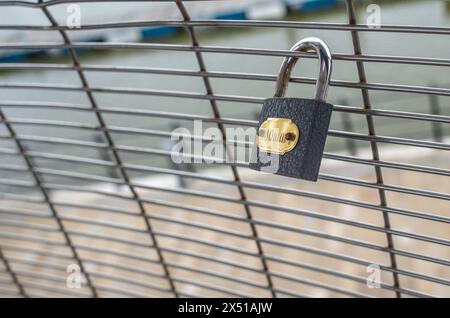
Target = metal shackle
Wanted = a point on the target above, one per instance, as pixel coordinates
(325, 66)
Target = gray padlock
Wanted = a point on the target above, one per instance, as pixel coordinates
(293, 131)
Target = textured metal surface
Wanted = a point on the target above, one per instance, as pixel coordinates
(312, 117)
(48, 218)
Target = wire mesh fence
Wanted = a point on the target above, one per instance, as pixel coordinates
(87, 178)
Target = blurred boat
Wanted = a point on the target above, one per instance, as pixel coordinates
(118, 12)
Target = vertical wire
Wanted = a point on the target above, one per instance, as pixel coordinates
(216, 113)
(374, 147)
(46, 195)
(111, 145)
(13, 275)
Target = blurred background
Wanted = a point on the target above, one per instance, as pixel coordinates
(99, 183)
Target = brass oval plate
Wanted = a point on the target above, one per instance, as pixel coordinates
(277, 135)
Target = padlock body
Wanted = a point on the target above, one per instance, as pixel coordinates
(312, 117)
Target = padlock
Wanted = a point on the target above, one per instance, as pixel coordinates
(293, 131)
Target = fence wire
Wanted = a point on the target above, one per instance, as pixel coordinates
(227, 232)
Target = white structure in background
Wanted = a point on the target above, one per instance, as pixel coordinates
(267, 10)
(111, 12)
(99, 13)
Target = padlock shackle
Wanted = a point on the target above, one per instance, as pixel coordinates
(325, 66)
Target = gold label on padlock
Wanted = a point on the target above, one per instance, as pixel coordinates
(277, 135)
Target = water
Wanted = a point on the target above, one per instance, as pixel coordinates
(401, 12)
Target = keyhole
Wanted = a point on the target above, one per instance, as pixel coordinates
(262, 132)
(290, 136)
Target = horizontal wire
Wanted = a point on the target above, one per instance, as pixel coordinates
(332, 156)
(143, 112)
(298, 247)
(290, 229)
(31, 239)
(138, 283)
(405, 254)
(18, 224)
(358, 279)
(224, 290)
(126, 281)
(140, 131)
(144, 132)
(227, 216)
(301, 265)
(282, 244)
(41, 253)
(217, 49)
(42, 287)
(43, 296)
(90, 261)
(72, 142)
(25, 212)
(333, 178)
(19, 197)
(312, 233)
(163, 93)
(286, 292)
(133, 282)
(119, 266)
(278, 275)
(98, 207)
(149, 70)
(327, 177)
(326, 155)
(278, 243)
(399, 189)
(387, 164)
(46, 276)
(57, 279)
(320, 285)
(219, 275)
(274, 259)
(41, 264)
(110, 239)
(268, 241)
(434, 118)
(75, 233)
(361, 280)
(394, 251)
(48, 242)
(86, 260)
(216, 22)
(131, 256)
(234, 23)
(217, 180)
(259, 204)
(244, 236)
(201, 226)
(118, 291)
